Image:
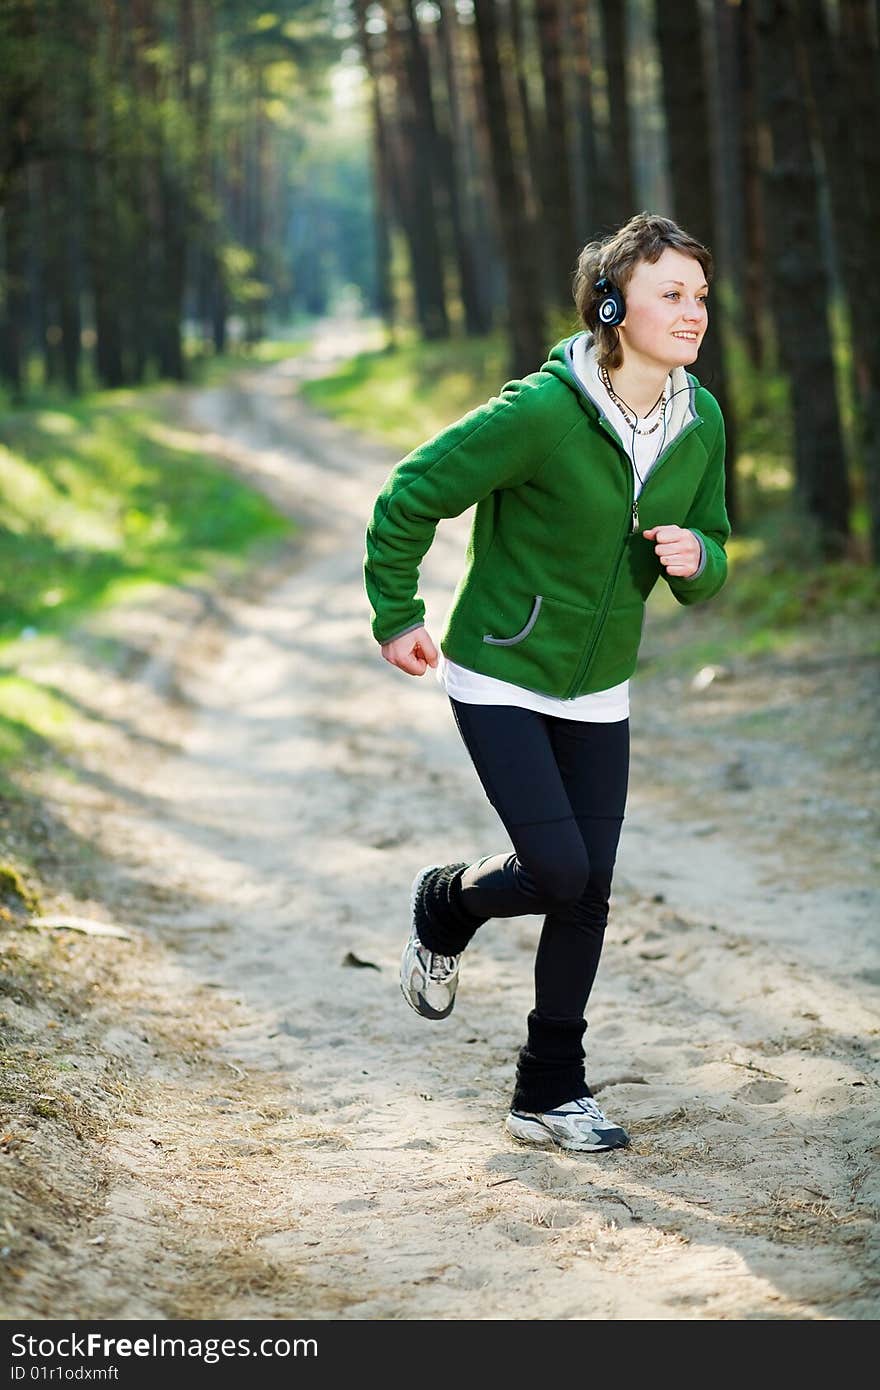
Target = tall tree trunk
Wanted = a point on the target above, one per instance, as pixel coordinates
(688, 134)
(53, 268)
(726, 87)
(203, 234)
(103, 233)
(416, 184)
(258, 168)
(476, 308)
(860, 49)
(558, 203)
(151, 310)
(217, 293)
(587, 190)
(756, 272)
(69, 298)
(622, 204)
(833, 76)
(396, 156)
(382, 210)
(799, 278)
(526, 317)
(170, 341)
(437, 150)
(518, 59)
(477, 181)
(531, 151)
(164, 210)
(140, 252)
(14, 229)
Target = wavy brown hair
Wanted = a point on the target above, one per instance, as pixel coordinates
(643, 238)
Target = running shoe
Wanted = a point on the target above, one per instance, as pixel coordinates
(428, 981)
(579, 1124)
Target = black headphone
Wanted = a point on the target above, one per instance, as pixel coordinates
(612, 307)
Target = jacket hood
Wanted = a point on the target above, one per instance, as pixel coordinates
(573, 361)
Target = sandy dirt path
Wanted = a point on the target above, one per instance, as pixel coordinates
(266, 790)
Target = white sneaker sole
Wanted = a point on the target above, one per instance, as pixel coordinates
(529, 1131)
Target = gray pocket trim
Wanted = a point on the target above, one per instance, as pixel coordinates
(519, 636)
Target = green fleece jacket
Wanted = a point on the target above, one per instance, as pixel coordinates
(557, 570)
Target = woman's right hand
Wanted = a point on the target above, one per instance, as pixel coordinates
(412, 651)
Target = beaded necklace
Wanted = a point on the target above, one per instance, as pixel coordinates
(626, 411)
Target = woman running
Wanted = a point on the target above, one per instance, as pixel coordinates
(593, 477)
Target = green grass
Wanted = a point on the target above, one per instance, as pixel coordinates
(98, 494)
(403, 396)
(30, 717)
(101, 497)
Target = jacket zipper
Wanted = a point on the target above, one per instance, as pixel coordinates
(632, 527)
(692, 425)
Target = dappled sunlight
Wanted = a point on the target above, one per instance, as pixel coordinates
(55, 422)
(774, 475)
(116, 497)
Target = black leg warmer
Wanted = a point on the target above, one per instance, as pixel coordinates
(443, 923)
(550, 1069)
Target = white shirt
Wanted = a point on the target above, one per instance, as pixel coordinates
(601, 706)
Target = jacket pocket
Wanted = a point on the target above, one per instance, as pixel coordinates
(523, 632)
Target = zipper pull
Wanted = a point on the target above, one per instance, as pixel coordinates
(635, 524)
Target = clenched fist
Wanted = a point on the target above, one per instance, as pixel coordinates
(677, 549)
(412, 651)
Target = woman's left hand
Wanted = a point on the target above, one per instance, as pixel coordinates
(677, 549)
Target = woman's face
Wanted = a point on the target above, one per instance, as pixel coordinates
(666, 314)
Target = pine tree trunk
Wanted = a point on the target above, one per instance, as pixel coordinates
(531, 152)
(68, 293)
(102, 230)
(258, 167)
(416, 182)
(622, 203)
(861, 71)
(13, 226)
(382, 211)
(171, 362)
(726, 86)
(756, 271)
(799, 278)
(147, 180)
(478, 185)
(451, 142)
(830, 86)
(688, 135)
(558, 202)
(587, 191)
(52, 268)
(526, 319)
(437, 148)
(517, 56)
(203, 232)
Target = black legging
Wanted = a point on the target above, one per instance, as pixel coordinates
(559, 787)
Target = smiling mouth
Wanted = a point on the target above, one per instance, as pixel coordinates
(686, 337)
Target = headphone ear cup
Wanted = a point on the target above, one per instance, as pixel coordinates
(612, 309)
